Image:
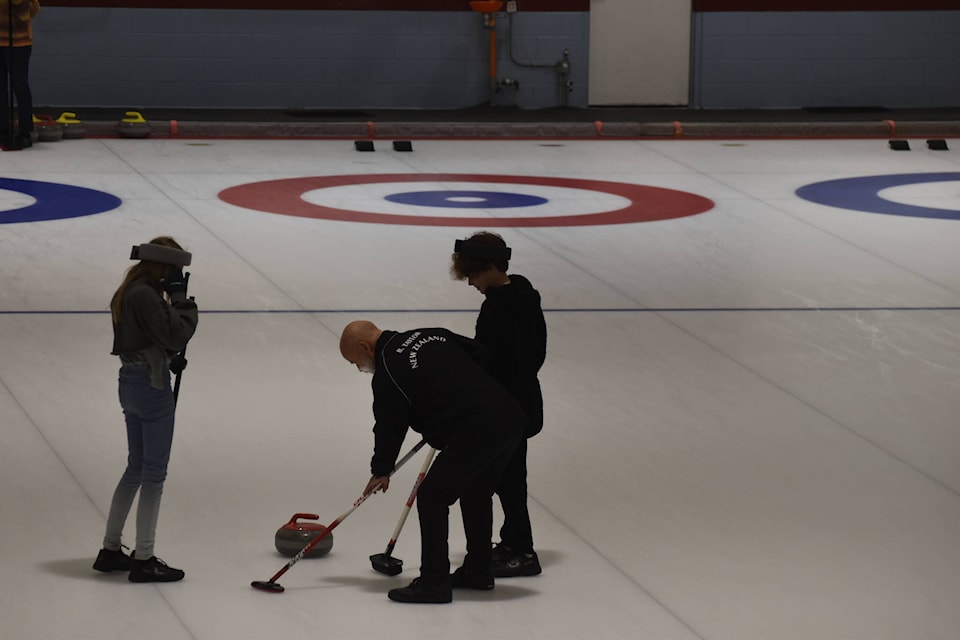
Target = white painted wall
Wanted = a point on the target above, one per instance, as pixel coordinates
(639, 52)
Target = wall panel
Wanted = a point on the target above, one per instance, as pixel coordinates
(841, 59)
(320, 5)
(225, 58)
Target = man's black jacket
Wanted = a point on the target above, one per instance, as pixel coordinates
(432, 381)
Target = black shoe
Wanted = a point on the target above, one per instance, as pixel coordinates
(108, 561)
(499, 552)
(422, 592)
(465, 579)
(153, 570)
(23, 140)
(511, 564)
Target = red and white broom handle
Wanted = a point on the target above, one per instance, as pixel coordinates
(413, 496)
(343, 516)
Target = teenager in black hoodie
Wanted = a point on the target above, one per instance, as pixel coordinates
(512, 328)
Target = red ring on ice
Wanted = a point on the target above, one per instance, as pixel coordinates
(647, 204)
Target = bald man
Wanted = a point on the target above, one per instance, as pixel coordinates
(431, 381)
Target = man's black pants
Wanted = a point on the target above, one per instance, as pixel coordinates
(468, 469)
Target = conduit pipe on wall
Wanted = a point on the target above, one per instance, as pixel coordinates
(565, 85)
(489, 8)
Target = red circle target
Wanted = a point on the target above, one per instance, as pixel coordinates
(647, 204)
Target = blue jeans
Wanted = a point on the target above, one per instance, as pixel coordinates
(149, 415)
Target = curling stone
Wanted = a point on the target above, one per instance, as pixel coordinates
(292, 537)
(134, 125)
(73, 129)
(48, 130)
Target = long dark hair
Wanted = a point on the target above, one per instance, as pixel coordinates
(154, 272)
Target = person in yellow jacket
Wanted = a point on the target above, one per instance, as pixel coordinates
(16, 44)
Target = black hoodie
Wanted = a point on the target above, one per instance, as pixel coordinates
(512, 328)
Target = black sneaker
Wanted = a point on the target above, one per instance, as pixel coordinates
(514, 564)
(419, 591)
(464, 579)
(153, 570)
(108, 561)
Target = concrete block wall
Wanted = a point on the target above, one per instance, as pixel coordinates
(197, 58)
(335, 59)
(531, 49)
(893, 59)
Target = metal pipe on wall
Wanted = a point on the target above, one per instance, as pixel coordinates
(564, 84)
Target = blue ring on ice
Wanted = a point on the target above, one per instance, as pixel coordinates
(862, 194)
(467, 199)
(55, 201)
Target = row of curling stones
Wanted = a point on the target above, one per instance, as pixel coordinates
(292, 537)
(66, 127)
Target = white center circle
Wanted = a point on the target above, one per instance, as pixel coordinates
(936, 195)
(11, 200)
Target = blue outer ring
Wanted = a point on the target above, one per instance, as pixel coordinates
(55, 201)
(861, 194)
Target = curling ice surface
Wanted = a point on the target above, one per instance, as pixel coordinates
(719, 460)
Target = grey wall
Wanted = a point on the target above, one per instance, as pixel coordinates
(130, 58)
(104, 57)
(835, 59)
